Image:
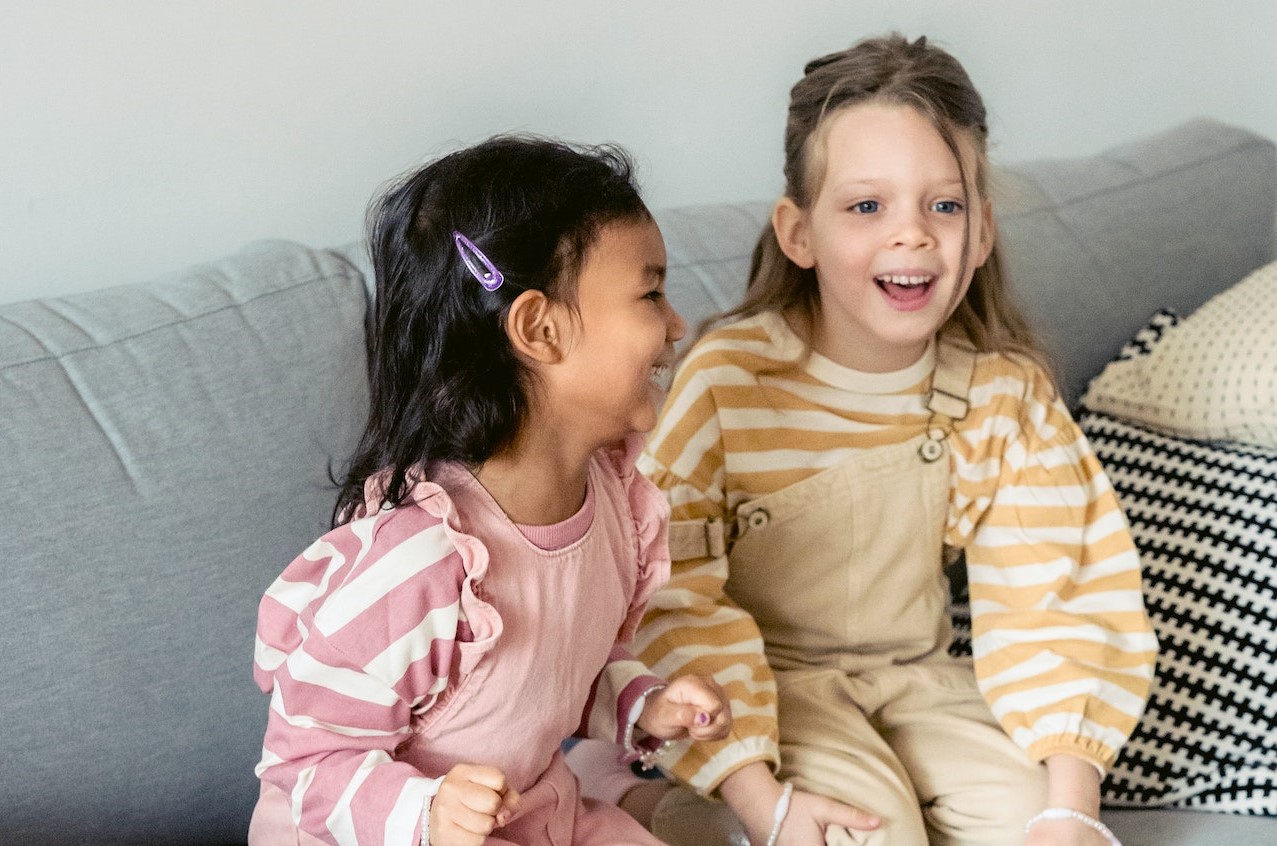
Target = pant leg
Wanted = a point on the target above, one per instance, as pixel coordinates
(977, 787)
(601, 824)
(827, 746)
(831, 746)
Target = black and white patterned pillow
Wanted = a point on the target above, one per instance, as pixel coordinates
(1204, 517)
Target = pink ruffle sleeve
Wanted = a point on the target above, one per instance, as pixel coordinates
(651, 513)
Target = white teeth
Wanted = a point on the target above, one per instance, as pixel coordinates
(661, 375)
(903, 281)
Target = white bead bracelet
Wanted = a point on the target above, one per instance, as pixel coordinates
(1070, 814)
(782, 809)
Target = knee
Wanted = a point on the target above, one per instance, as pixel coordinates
(989, 813)
(681, 818)
(889, 799)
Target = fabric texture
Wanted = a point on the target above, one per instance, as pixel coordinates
(418, 637)
(1211, 376)
(1046, 544)
(1204, 516)
(175, 439)
(1095, 245)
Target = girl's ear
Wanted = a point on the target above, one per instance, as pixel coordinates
(533, 325)
(790, 224)
(988, 234)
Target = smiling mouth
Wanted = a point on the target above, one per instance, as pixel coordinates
(904, 287)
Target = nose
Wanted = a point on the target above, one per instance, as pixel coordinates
(675, 325)
(912, 230)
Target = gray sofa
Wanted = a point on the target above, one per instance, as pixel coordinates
(168, 447)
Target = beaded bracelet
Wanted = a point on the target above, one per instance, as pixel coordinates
(1070, 814)
(649, 757)
(782, 809)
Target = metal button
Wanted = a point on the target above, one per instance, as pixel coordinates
(758, 518)
(931, 450)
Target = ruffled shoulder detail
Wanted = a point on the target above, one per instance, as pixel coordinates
(484, 620)
(650, 511)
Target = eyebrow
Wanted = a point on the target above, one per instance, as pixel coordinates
(657, 270)
(871, 182)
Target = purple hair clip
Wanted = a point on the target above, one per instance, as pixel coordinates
(489, 277)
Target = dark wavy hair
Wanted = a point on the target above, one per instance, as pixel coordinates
(444, 381)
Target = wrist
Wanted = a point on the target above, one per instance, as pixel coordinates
(752, 793)
(1087, 820)
(647, 750)
(1073, 782)
(782, 810)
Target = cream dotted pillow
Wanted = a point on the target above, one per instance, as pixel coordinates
(1213, 376)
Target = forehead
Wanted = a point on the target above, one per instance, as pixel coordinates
(624, 251)
(877, 140)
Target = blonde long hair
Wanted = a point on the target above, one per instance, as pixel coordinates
(895, 71)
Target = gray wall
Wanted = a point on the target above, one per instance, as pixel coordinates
(139, 136)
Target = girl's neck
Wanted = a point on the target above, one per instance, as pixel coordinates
(845, 350)
(538, 480)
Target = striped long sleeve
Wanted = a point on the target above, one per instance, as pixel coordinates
(1064, 651)
(356, 635)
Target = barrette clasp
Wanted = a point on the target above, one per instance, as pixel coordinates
(479, 265)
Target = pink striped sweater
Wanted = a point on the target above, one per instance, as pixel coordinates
(433, 633)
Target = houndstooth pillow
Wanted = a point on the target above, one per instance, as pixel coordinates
(1204, 516)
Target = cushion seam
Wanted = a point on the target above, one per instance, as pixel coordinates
(51, 356)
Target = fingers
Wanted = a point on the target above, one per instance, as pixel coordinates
(500, 800)
(690, 706)
(472, 801)
(706, 725)
(832, 812)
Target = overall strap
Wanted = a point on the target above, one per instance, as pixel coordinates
(697, 539)
(951, 382)
(948, 401)
(950, 392)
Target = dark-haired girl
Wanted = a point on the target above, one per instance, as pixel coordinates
(493, 545)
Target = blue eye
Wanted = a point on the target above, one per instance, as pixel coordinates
(947, 206)
(865, 207)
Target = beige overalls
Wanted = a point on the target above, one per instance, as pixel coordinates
(843, 574)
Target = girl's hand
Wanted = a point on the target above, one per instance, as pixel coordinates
(810, 814)
(752, 792)
(471, 802)
(690, 706)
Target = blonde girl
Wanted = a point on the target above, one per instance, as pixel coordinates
(874, 408)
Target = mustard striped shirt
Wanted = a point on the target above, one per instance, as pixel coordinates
(1063, 649)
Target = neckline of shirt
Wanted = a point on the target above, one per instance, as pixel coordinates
(836, 375)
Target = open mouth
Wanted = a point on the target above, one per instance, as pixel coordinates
(905, 288)
(662, 376)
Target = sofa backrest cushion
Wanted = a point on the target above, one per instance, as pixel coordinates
(166, 448)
